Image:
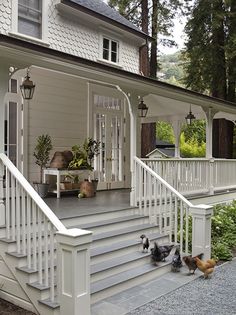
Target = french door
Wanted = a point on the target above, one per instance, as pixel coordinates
(13, 125)
(109, 130)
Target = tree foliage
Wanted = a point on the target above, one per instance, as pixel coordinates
(211, 48)
(164, 131)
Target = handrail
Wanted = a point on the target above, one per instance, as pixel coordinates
(148, 169)
(33, 194)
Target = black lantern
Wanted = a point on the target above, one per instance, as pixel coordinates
(190, 117)
(27, 87)
(142, 109)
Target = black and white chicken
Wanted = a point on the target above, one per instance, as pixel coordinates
(145, 242)
(159, 253)
(176, 262)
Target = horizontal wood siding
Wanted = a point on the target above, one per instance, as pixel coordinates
(59, 108)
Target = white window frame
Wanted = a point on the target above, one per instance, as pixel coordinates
(111, 39)
(44, 25)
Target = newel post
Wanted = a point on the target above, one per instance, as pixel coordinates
(201, 230)
(2, 204)
(74, 271)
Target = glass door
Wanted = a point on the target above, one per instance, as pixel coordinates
(109, 130)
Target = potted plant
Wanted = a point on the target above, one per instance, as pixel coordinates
(83, 159)
(41, 154)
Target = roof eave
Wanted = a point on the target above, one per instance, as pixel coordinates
(106, 19)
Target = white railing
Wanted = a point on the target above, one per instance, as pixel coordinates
(164, 205)
(195, 176)
(30, 223)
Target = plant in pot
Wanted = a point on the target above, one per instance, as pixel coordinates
(83, 159)
(41, 154)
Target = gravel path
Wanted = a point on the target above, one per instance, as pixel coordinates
(216, 295)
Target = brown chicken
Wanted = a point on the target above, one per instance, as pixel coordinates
(207, 267)
(191, 263)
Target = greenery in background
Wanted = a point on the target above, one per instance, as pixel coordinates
(192, 138)
(223, 232)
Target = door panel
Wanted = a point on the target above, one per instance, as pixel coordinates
(109, 130)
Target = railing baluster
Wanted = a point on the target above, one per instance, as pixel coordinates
(186, 229)
(18, 216)
(13, 207)
(23, 221)
(34, 230)
(29, 247)
(176, 219)
(181, 226)
(170, 216)
(40, 251)
(45, 234)
(51, 255)
(7, 204)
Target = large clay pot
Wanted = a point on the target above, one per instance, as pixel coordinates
(59, 160)
(87, 189)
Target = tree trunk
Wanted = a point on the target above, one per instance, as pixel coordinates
(231, 54)
(153, 59)
(144, 60)
(148, 136)
(222, 138)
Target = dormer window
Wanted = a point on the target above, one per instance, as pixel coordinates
(30, 18)
(110, 50)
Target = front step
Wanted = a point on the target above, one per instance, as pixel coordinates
(127, 279)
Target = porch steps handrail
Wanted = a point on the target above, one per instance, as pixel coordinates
(32, 193)
(160, 179)
(164, 205)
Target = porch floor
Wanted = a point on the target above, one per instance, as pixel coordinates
(69, 205)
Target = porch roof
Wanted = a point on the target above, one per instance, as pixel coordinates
(164, 100)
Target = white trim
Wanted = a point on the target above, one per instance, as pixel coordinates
(111, 39)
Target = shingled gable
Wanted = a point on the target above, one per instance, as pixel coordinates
(103, 11)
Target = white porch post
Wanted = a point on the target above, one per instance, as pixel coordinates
(210, 113)
(177, 130)
(201, 230)
(74, 271)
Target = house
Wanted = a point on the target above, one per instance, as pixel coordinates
(163, 150)
(83, 59)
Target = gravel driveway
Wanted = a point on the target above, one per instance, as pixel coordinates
(216, 295)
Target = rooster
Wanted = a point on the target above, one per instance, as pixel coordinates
(207, 267)
(191, 263)
(176, 262)
(159, 253)
(145, 242)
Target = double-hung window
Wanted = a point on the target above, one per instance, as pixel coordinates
(30, 18)
(110, 50)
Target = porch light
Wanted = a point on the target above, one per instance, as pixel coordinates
(142, 109)
(190, 117)
(27, 87)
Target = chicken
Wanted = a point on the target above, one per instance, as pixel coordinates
(207, 267)
(145, 242)
(159, 253)
(191, 263)
(176, 262)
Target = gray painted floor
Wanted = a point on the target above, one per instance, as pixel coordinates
(70, 205)
(127, 301)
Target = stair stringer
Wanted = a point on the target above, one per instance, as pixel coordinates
(34, 296)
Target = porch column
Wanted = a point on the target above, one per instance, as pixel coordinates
(201, 230)
(177, 130)
(2, 203)
(4, 79)
(74, 271)
(210, 113)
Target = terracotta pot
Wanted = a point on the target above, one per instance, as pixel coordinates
(87, 188)
(66, 186)
(58, 161)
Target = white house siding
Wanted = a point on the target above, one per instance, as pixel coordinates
(5, 16)
(68, 34)
(59, 108)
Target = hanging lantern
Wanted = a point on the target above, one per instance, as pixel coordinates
(142, 109)
(27, 87)
(190, 117)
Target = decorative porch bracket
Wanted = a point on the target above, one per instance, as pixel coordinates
(74, 271)
(201, 230)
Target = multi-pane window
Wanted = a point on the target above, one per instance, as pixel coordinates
(110, 50)
(30, 17)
